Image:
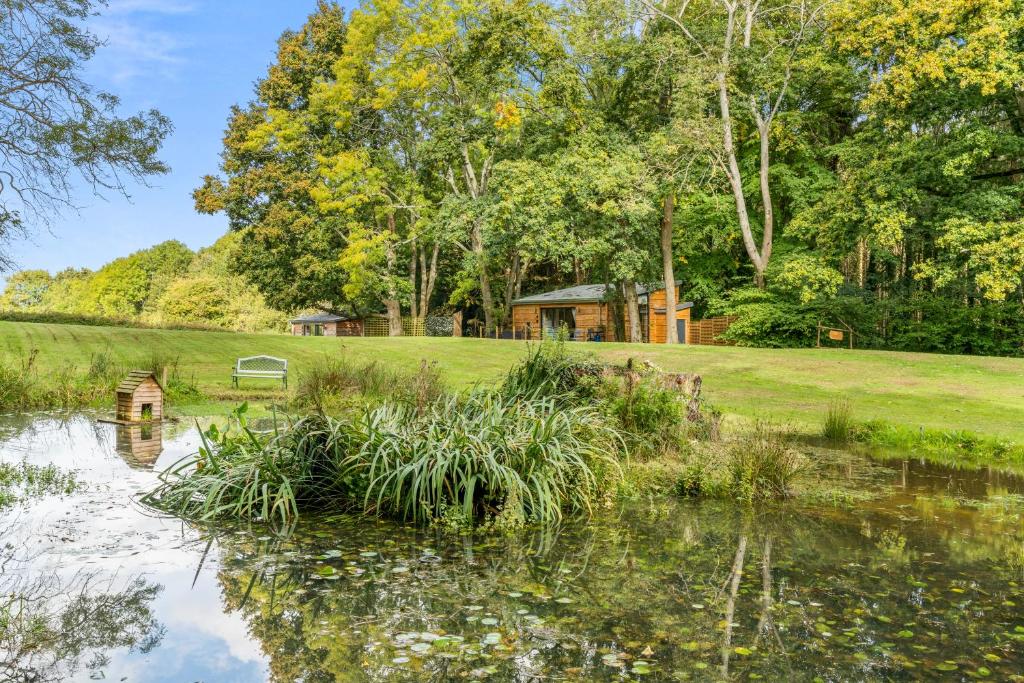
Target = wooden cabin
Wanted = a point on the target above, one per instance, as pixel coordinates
(140, 398)
(586, 313)
(326, 325)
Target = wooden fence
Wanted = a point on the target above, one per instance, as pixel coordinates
(377, 326)
(707, 331)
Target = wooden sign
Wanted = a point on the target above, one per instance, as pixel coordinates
(835, 335)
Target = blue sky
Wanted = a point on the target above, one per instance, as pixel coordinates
(191, 59)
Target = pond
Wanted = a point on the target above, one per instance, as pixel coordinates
(925, 581)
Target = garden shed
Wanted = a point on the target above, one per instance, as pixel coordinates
(140, 398)
(585, 311)
(326, 325)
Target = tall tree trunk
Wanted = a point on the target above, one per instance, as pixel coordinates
(632, 311)
(428, 278)
(391, 302)
(668, 272)
(486, 300)
(394, 309)
(510, 286)
(732, 166)
(413, 265)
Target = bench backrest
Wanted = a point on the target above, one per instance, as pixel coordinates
(261, 364)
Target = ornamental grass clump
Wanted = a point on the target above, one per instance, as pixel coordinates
(762, 464)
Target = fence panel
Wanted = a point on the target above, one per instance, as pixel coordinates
(707, 331)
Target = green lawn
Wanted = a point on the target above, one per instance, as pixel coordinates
(984, 395)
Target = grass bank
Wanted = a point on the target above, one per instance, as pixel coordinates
(795, 386)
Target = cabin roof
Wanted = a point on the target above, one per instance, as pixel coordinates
(134, 380)
(319, 318)
(581, 294)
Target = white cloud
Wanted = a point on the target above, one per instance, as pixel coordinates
(149, 6)
(138, 46)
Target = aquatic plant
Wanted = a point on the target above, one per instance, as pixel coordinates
(481, 453)
(838, 425)
(241, 473)
(25, 480)
(550, 369)
(763, 464)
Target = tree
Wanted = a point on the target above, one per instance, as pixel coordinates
(752, 47)
(26, 290)
(291, 247)
(53, 125)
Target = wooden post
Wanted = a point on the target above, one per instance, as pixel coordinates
(163, 383)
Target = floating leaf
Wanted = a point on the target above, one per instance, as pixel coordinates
(743, 651)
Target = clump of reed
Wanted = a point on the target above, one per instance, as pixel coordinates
(550, 369)
(763, 464)
(839, 425)
(332, 382)
(65, 387)
(481, 454)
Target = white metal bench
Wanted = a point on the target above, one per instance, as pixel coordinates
(261, 367)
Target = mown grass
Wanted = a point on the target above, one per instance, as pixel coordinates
(793, 386)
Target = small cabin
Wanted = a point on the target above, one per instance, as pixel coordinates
(326, 325)
(585, 312)
(140, 398)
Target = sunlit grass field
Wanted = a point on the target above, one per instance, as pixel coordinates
(795, 386)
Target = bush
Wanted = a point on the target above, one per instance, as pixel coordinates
(652, 416)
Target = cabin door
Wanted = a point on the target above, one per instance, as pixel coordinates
(681, 331)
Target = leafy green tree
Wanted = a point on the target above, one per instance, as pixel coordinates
(291, 248)
(26, 290)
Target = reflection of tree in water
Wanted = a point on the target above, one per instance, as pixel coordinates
(712, 593)
(50, 628)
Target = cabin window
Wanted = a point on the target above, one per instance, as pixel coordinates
(147, 411)
(318, 330)
(552, 319)
(305, 330)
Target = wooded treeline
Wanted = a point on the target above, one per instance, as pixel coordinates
(165, 285)
(790, 161)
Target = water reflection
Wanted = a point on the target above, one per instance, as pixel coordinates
(688, 591)
(925, 581)
(140, 445)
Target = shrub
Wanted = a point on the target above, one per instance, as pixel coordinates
(652, 416)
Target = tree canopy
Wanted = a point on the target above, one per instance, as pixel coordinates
(789, 162)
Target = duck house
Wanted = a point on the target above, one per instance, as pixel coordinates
(140, 398)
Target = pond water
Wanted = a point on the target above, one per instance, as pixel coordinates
(925, 581)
